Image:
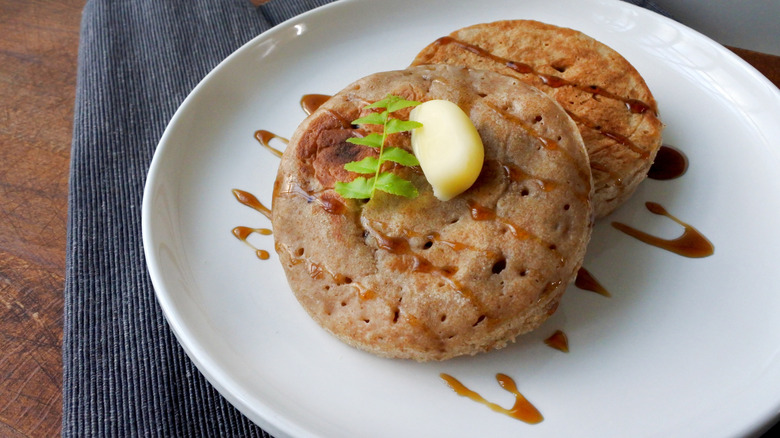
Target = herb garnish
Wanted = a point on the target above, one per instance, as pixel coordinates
(362, 187)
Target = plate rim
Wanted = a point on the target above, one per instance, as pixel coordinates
(279, 425)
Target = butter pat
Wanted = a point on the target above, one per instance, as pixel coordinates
(448, 147)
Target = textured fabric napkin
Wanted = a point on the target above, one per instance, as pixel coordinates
(124, 372)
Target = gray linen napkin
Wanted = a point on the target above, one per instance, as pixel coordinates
(124, 372)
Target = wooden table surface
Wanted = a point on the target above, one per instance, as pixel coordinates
(38, 51)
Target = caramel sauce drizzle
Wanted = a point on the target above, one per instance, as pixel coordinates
(265, 137)
(394, 245)
(614, 136)
(243, 233)
(310, 102)
(601, 168)
(586, 281)
(481, 213)
(400, 246)
(331, 204)
(516, 174)
(251, 201)
(670, 163)
(549, 287)
(345, 124)
(546, 143)
(317, 270)
(455, 246)
(522, 409)
(363, 293)
(635, 106)
(431, 238)
(690, 244)
(558, 341)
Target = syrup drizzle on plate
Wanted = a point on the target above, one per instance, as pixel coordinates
(522, 409)
(691, 243)
(669, 163)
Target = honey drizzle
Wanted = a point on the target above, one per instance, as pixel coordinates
(331, 205)
(243, 233)
(310, 102)
(670, 163)
(397, 245)
(635, 106)
(251, 201)
(457, 246)
(346, 124)
(400, 246)
(316, 271)
(432, 237)
(546, 143)
(515, 174)
(518, 175)
(265, 137)
(690, 244)
(614, 136)
(558, 341)
(586, 281)
(481, 213)
(522, 409)
(602, 168)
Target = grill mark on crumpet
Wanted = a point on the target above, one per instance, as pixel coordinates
(607, 98)
(429, 280)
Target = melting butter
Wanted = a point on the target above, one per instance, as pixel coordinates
(448, 147)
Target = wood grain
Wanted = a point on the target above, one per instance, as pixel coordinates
(38, 48)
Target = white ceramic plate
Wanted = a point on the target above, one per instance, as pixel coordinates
(685, 347)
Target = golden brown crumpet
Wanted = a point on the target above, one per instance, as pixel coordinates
(602, 92)
(421, 278)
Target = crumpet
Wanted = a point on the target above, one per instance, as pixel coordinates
(604, 94)
(421, 278)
